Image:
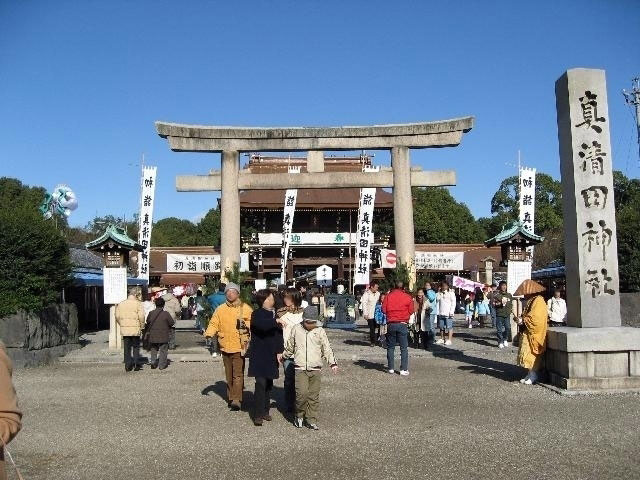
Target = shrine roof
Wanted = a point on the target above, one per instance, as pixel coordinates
(82, 258)
(117, 235)
(312, 198)
(510, 232)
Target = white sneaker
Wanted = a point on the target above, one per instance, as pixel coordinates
(501, 345)
(214, 354)
(470, 326)
(522, 380)
(404, 373)
(448, 342)
(439, 341)
(299, 422)
(391, 371)
(506, 344)
(528, 381)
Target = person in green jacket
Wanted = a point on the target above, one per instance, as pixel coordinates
(503, 304)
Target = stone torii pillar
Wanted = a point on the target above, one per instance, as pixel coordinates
(230, 141)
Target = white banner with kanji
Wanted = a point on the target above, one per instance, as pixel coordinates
(287, 223)
(179, 263)
(438, 261)
(148, 190)
(364, 235)
(527, 199)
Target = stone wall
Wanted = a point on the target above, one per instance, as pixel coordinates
(37, 338)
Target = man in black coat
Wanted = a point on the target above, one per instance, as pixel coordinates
(159, 323)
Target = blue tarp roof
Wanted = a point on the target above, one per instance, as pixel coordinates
(550, 272)
(93, 278)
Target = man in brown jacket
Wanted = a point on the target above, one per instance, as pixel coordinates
(10, 415)
(130, 317)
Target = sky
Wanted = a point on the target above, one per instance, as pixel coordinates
(82, 83)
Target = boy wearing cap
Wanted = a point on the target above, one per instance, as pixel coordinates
(308, 346)
(230, 323)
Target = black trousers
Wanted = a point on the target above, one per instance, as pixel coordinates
(262, 397)
(159, 355)
(372, 330)
(131, 351)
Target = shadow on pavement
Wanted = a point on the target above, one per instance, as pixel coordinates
(367, 365)
(465, 337)
(484, 366)
(277, 396)
(356, 342)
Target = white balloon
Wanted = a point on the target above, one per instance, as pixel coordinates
(65, 197)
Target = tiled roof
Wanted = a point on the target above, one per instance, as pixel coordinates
(511, 230)
(83, 258)
(117, 235)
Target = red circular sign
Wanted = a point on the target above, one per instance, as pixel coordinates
(391, 258)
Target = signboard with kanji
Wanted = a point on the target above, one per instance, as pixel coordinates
(324, 276)
(115, 285)
(178, 263)
(438, 261)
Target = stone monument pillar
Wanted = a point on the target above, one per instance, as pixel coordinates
(594, 352)
(591, 263)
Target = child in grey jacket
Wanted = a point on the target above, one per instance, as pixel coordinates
(308, 346)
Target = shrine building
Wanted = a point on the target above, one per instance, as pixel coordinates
(324, 223)
(320, 235)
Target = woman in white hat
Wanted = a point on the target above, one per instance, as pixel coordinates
(533, 341)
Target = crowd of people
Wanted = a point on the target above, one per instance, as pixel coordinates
(283, 328)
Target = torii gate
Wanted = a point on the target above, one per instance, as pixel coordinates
(231, 141)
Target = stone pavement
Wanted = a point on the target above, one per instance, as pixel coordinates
(190, 345)
(95, 347)
(460, 414)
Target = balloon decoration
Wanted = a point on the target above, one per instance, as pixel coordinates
(62, 201)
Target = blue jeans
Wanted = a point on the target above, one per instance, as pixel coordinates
(503, 329)
(431, 330)
(289, 385)
(493, 317)
(398, 334)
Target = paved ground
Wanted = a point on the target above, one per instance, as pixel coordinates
(461, 414)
